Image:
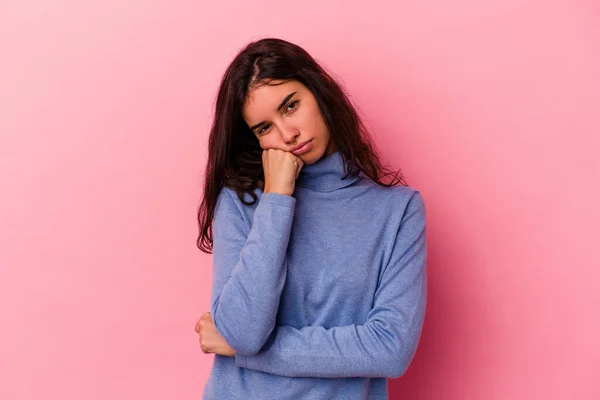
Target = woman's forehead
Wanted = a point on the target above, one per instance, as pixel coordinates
(267, 97)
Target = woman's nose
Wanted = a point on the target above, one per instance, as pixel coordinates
(288, 133)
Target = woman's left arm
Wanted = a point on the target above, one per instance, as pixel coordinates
(382, 347)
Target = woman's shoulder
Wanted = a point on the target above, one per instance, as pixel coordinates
(232, 193)
(396, 193)
(396, 202)
(228, 198)
(230, 209)
(409, 201)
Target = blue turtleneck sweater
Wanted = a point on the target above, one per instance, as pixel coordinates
(321, 294)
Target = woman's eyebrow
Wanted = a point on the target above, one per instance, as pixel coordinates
(285, 100)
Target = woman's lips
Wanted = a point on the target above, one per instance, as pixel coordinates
(305, 148)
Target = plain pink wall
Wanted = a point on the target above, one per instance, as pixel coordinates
(491, 109)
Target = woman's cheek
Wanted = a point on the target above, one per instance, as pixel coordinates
(272, 143)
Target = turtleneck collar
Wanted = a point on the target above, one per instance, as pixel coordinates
(326, 174)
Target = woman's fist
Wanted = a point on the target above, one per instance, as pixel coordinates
(210, 339)
(281, 171)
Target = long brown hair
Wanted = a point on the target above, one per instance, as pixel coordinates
(234, 153)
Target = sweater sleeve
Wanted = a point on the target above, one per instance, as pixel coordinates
(249, 268)
(382, 347)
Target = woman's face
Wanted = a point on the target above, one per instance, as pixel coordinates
(285, 116)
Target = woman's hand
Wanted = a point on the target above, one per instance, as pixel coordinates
(210, 339)
(281, 171)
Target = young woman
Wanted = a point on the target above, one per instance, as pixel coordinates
(319, 275)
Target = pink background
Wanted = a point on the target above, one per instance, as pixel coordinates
(490, 107)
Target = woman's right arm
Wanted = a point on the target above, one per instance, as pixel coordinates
(249, 268)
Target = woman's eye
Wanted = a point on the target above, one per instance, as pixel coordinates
(261, 130)
(293, 108)
(290, 107)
